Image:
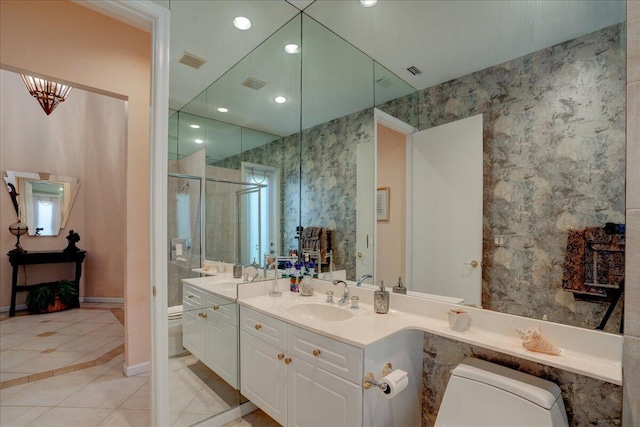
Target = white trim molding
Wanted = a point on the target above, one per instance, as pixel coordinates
(102, 300)
(138, 369)
(19, 307)
(151, 17)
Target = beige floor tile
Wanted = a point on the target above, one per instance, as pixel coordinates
(6, 392)
(104, 369)
(80, 328)
(141, 399)
(87, 343)
(105, 392)
(5, 376)
(46, 362)
(76, 315)
(43, 343)
(12, 358)
(112, 329)
(12, 326)
(48, 392)
(186, 420)
(103, 317)
(19, 416)
(8, 341)
(100, 351)
(181, 393)
(206, 402)
(42, 327)
(127, 418)
(76, 417)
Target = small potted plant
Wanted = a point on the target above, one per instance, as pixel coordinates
(51, 297)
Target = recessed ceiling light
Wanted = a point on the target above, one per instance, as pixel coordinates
(195, 126)
(368, 3)
(292, 48)
(242, 23)
(223, 110)
(199, 141)
(280, 99)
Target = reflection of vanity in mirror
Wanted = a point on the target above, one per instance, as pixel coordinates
(44, 200)
(551, 158)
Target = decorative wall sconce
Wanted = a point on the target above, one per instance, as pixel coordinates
(49, 94)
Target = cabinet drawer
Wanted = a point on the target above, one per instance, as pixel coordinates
(338, 358)
(192, 295)
(225, 311)
(264, 327)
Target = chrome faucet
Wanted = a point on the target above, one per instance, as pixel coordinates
(345, 295)
(362, 279)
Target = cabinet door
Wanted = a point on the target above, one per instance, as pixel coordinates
(193, 333)
(263, 377)
(318, 398)
(221, 349)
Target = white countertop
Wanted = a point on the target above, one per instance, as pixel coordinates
(591, 353)
(222, 285)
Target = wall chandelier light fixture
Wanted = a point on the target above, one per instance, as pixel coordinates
(49, 94)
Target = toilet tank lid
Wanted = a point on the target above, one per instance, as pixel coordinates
(536, 390)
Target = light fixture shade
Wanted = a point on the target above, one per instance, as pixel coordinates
(49, 94)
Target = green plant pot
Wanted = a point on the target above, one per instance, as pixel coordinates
(51, 297)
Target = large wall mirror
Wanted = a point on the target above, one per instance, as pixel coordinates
(43, 201)
(552, 106)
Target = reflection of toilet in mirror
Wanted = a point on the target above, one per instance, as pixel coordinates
(480, 393)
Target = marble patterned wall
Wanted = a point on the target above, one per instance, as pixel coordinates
(588, 401)
(329, 153)
(554, 159)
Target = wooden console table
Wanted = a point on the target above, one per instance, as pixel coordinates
(41, 257)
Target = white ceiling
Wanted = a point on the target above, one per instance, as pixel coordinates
(444, 39)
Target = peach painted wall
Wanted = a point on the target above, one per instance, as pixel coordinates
(98, 53)
(391, 235)
(84, 137)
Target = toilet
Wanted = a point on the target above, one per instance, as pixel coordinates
(175, 331)
(483, 394)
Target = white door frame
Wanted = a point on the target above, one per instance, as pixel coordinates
(154, 19)
(387, 120)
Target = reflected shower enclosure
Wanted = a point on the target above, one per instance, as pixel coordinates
(184, 231)
(234, 221)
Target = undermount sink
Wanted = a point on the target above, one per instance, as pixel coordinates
(319, 311)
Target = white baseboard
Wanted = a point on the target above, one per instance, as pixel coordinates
(228, 416)
(103, 300)
(138, 369)
(6, 308)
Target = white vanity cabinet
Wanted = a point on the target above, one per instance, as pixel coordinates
(210, 331)
(297, 377)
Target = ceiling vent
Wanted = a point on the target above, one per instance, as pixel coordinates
(191, 60)
(414, 70)
(254, 83)
(384, 82)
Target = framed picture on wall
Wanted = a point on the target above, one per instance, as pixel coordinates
(382, 204)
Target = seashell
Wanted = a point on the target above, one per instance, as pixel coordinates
(534, 340)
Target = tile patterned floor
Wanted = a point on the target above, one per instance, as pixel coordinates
(95, 393)
(34, 347)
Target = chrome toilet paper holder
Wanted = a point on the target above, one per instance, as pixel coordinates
(370, 380)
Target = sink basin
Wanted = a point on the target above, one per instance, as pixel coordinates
(319, 311)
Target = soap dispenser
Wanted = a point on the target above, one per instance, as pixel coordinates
(400, 288)
(381, 300)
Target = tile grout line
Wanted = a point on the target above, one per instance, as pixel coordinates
(118, 313)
